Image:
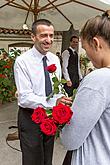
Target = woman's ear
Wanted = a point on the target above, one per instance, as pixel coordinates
(96, 43)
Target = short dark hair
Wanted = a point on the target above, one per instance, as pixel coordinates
(40, 22)
(74, 36)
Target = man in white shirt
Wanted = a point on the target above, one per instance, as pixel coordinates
(37, 148)
(71, 66)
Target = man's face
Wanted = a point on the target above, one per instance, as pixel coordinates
(74, 43)
(44, 38)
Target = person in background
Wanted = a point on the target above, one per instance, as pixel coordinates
(88, 133)
(71, 66)
(60, 58)
(58, 54)
(36, 147)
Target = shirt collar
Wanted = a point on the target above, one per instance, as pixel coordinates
(37, 54)
(72, 49)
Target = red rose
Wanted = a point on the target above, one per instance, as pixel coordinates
(51, 68)
(61, 114)
(39, 115)
(48, 127)
(7, 66)
(2, 76)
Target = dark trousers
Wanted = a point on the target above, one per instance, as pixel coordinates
(37, 148)
(68, 157)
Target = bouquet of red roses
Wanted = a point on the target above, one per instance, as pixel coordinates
(53, 120)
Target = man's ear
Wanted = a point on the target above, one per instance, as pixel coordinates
(96, 43)
(33, 37)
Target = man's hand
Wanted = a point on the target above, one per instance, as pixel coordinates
(69, 83)
(64, 100)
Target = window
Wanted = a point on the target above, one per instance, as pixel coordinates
(21, 46)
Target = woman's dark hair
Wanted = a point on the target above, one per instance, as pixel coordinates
(40, 22)
(97, 26)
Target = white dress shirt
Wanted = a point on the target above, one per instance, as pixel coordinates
(65, 58)
(30, 79)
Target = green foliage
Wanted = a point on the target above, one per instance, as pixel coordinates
(49, 112)
(14, 53)
(58, 85)
(84, 61)
(7, 84)
(74, 94)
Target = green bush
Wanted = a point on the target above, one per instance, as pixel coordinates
(7, 84)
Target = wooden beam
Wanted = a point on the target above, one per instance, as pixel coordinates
(51, 7)
(60, 12)
(18, 5)
(90, 6)
(28, 12)
(36, 10)
(48, 4)
(25, 3)
(22, 8)
(70, 1)
(6, 4)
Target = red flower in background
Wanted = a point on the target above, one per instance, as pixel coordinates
(2, 76)
(51, 68)
(7, 66)
(62, 114)
(39, 115)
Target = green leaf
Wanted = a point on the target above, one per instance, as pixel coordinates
(6, 82)
(74, 93)
(49, 112)
(56, 90)
(56, 84)
(63, 81)
(54, 79)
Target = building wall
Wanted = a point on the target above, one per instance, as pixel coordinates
(5, 42)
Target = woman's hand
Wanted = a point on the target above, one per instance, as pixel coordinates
(65, 100)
